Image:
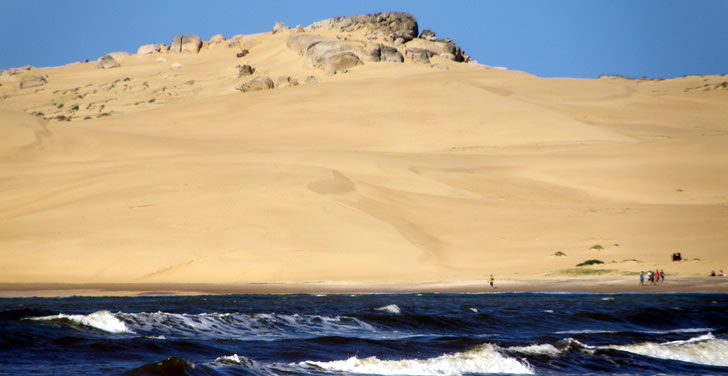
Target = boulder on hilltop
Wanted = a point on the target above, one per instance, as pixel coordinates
(392, 25)
(186, 44)
(148, 49)
(280, 27)
(217, 38)
(419, 55)
(108, 62)
(444, 48)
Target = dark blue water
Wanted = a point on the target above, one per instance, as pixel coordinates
(410, 334)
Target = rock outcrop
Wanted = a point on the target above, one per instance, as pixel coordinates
(428, 34)
(186, 44)
(391, 25)
(258, 83)
(108, 62)
(32, 81)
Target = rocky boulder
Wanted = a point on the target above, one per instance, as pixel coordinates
(186, 44)
(32, 81)
(245, 70)
(280, 27)
(149, 49)
(341, 63)
(392, 25)
(301, 42)
(108, 62)
(258, 83)
(419, 55)
(390, 54)
(444, 48)
(318, 54)
(428, 34)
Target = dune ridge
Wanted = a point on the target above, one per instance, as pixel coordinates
(433, 168)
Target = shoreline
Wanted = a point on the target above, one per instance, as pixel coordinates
(607, 285)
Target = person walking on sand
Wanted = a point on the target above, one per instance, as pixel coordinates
(662, 275)
(492, 280)
(649, 277)
(642, 278)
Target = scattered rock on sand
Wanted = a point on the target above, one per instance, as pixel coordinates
(108, 62)
(311, 80)
(286, 81)
(245, 70)
(176, 66)
(341, 63)
(258, 83)
(280, 27)
(32, 81)
(186, 44)
(242, 53)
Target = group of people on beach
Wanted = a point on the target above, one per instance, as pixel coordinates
(719, 274)
(653, 278)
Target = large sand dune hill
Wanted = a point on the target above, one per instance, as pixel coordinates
(391, 172)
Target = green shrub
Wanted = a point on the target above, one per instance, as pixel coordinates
(591, 262)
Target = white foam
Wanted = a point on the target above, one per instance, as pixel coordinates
(705, 349)
(102, 320)
(609, 298)
(539, 349)
(228, 359)
(392, 308)
(473, 309)
(481, 359)
(586, 331)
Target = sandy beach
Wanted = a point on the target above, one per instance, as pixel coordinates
(158, 176)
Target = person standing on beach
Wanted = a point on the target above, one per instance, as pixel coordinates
(662, 275)
(642, 278)
(492, 280)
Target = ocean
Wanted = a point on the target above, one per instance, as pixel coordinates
(369, 334)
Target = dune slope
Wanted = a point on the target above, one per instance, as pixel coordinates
(391, 172)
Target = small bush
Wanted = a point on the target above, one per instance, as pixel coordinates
(598, 247)
(560, 254)
(591, 262)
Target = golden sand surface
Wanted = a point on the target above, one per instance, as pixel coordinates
(393, 174)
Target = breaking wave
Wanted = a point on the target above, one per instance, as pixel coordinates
(392, 308)
(101, 320)
(705, 349)
(481, 359)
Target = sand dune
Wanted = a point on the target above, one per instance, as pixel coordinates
(392, 172)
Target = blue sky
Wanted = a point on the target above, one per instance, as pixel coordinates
(569, 38)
